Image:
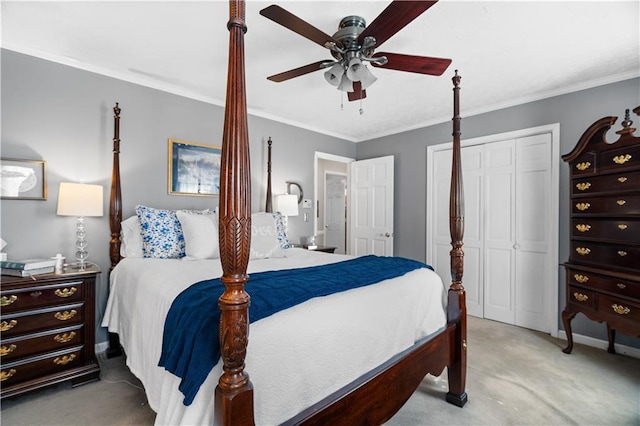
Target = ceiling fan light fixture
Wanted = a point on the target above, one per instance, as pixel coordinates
(346, 85)
(334, 75)
(357, 71)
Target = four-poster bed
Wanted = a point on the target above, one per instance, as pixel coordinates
(374, 395)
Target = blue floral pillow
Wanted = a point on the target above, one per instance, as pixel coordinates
(162, 236)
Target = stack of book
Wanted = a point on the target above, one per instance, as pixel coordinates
(27, 267)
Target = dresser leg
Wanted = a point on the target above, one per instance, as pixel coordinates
(567, 316)
(611, 334)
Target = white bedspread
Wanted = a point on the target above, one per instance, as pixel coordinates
(295, 357)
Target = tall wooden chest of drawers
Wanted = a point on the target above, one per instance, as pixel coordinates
(48, 330)
(603, 271)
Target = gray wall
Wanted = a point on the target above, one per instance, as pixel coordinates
(575, 112)
(64, 116)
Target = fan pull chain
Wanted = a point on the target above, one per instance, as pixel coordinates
(341, 101)
(361, 110)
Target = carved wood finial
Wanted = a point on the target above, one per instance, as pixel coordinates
(626, 124)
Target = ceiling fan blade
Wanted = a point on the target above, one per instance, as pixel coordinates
(297, 72)
(410, 63)
(395, 17)
(297, 25)
(358, 92)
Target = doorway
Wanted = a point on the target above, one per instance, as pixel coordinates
(335, 211)
(329, 169)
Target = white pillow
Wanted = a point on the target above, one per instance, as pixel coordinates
(200, 235)
(130, 238)
(264, 236)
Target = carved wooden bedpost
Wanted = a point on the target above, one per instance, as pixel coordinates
(457, 309)
(234, 393)
(115, 199)
(269, 204)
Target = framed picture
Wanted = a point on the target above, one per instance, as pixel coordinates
(23, 179)
(194, 168)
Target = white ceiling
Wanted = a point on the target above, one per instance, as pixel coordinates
(508, 52)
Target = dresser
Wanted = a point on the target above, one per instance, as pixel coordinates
(48, 330)
(603, 271)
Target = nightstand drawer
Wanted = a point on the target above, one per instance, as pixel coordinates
(31, 368)
(40, 296)
(31, 344)
(42, 319)
(581, 297)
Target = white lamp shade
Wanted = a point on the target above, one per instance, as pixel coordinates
(359, 72)
(333, 74)
(80, 199)
(346, 85)
(287, 204)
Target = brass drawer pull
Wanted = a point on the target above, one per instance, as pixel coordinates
(581, 278)
(622, 226)
(583, 166)
(580, 297)
(621, 159)
(583, 251)
(64, 360)
(621, 286)
(622, 179)
(622, 253)
(582, 186)
(583, 206)
(5, 301)
(64, 338)
(582, 227)
(620, 310)
(6, 350)
(66, 292)
(621, 202)
(6, 326)
(63, 316)
(4, 375)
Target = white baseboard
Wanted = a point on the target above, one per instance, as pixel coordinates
(602, 344)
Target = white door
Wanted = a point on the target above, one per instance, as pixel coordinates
(371, 207)
(533, 245)
(499, 256)
(510, 239)
(335, 213)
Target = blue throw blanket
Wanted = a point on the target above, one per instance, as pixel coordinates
(191, 346)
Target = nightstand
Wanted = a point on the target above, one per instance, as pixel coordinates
(326, 249)
(47, 326)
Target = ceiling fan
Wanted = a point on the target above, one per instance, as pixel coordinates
(354, 44)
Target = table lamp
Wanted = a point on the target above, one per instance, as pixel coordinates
(80, 200)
